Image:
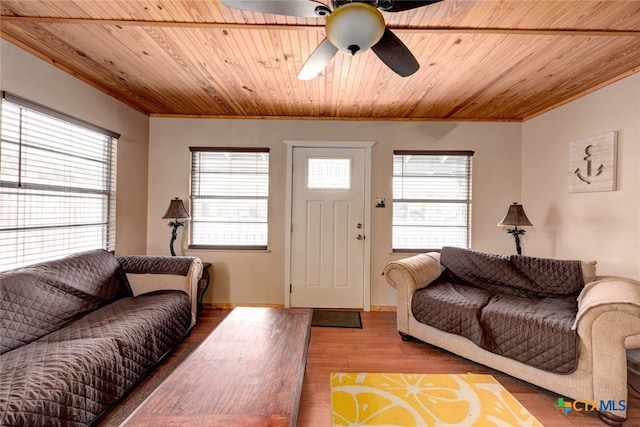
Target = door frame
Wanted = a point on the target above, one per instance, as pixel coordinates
(366, 146)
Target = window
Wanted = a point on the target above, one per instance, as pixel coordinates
(229, 198)
(57, 184)
(329, 174)
(431, 200)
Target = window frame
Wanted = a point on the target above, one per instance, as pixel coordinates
(468, 201)
(193, 198)
(23, 186)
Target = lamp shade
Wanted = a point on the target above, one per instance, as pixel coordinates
(176, 210)
(355, 27)
(515, 216)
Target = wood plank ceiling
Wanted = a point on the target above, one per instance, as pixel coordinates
(490, 60)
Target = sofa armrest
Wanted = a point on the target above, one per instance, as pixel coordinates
(608, 323)
(147, 273)
(418, 271)
(616, 293)
(408, 275)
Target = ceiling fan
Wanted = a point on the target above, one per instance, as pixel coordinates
(353, 26)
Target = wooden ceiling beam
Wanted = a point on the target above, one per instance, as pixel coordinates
(308, 27)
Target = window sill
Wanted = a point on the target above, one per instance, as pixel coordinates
(412, 251)
(228, 249)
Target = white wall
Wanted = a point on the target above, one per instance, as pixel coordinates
(258, 277)
(604, 226)
(36, 80)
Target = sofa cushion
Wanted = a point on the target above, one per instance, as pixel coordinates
(588, 271)
(536, 332)
(69, 377)
(145, 327)
(514, 275)
(551, 276)
(60, 383)
(451, 307)
(41, 298)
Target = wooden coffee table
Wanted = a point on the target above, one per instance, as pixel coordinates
(247, 372)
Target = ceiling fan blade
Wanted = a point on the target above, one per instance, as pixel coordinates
(401, 5)
(304, 8)
(318, 60)
(395, 54)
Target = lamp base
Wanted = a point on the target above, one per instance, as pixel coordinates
(174, 234)
(516, 232)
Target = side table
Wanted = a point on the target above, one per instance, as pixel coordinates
(203, 284)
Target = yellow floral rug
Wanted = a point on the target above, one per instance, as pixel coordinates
(424, 400)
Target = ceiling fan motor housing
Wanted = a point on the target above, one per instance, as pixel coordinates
(355, 27)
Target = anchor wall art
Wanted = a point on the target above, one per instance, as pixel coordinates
(592, 164)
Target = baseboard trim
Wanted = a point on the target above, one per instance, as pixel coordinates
(231, 305)
(383, 308)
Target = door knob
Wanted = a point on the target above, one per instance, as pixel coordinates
(360, 237)
(359, 225)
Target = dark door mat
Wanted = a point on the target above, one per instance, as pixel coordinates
(336, 319)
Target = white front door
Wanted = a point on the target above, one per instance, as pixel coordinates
(327, 234)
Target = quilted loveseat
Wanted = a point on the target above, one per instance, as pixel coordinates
(79, 332)
(552, 323)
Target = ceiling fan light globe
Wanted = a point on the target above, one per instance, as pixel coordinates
(355, 27)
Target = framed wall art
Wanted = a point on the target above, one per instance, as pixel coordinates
(592, 163)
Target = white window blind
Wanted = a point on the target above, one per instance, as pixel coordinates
(431, 200)
(229, 198)
(57, 184)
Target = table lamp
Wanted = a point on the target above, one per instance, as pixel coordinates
(515, 216)
(176, 211)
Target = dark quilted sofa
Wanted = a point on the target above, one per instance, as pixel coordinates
(553, 323)
(75, 339)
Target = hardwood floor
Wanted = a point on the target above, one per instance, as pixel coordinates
(377, 347)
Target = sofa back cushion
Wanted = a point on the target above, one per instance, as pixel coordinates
(514, 274)
(551, 276)
(41, 298)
